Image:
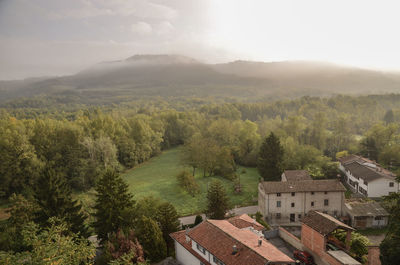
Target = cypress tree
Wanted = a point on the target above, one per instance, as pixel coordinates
(217, 201)
(270, 159)
(151, 238)
(54, 199)
(114, 207)
(167, 218)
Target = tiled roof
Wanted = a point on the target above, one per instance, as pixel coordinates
(250, 240)
(303, 186)
(367, 173)
(244, 221)
(180, 237)
(352, 158)
(296, 175)
(219, 236)
(370, 208)
(323, 223)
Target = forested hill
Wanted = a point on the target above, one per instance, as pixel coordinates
(144, 76)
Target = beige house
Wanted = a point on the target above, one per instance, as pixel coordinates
(288, 202)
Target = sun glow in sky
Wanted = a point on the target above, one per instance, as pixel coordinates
(356, 32)
(54, 37)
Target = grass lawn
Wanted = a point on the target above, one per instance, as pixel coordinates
(157, 177)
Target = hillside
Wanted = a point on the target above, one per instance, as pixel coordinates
(143, 76)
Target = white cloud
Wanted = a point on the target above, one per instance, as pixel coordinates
(95, 8)
(141, 28)
(164, 28)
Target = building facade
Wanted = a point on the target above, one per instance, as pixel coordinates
(317, 235)
(366, 214)
(367, 177)
(288, 202)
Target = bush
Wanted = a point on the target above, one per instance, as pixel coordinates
(198, 220)
(188, 183)
(261, 221)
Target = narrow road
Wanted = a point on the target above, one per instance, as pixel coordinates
(186, 220)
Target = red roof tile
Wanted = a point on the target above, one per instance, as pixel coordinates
(244, 221)
(219, 236)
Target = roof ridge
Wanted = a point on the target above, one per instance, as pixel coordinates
(239, 240)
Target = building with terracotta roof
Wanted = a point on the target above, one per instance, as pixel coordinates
(317, 236)
(295, 175)
(288, 202)
(226, 242)
(367, 177)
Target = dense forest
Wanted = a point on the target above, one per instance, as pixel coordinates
(79, 145)
(47, 153)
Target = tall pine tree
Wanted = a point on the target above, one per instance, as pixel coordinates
(217, 201)
(270, 159)
(54, 199)
(114, 207)
(167, 218)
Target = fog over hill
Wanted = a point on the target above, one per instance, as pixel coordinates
(179, 76)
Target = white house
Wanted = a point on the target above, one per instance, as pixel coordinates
(288, 202)
(367, 177)
(221, 242)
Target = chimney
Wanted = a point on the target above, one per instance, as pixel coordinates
(234, 250)
(186, 235)
(259, 242)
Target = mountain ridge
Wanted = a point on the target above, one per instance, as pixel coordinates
(172, 75)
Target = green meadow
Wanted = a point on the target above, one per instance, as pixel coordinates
(157, 177)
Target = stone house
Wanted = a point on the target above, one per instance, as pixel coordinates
(289, 201)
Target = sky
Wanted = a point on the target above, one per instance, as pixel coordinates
(60, 37)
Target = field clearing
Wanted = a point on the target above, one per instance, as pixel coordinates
(157, 177)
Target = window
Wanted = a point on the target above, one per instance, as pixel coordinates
(201, 263)
(201, 249)
(278, 194)
(299, 216)
(378, 218)
(312, 193)
(217, 261)
(312, 204)
(325, 192)
(326, 202)
(278, 204)
(278, 215)
(292, 204)
(391, 184)
(293, 193)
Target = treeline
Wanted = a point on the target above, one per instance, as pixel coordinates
(79, 145)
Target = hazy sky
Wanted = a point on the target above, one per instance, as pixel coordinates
(54, 37)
